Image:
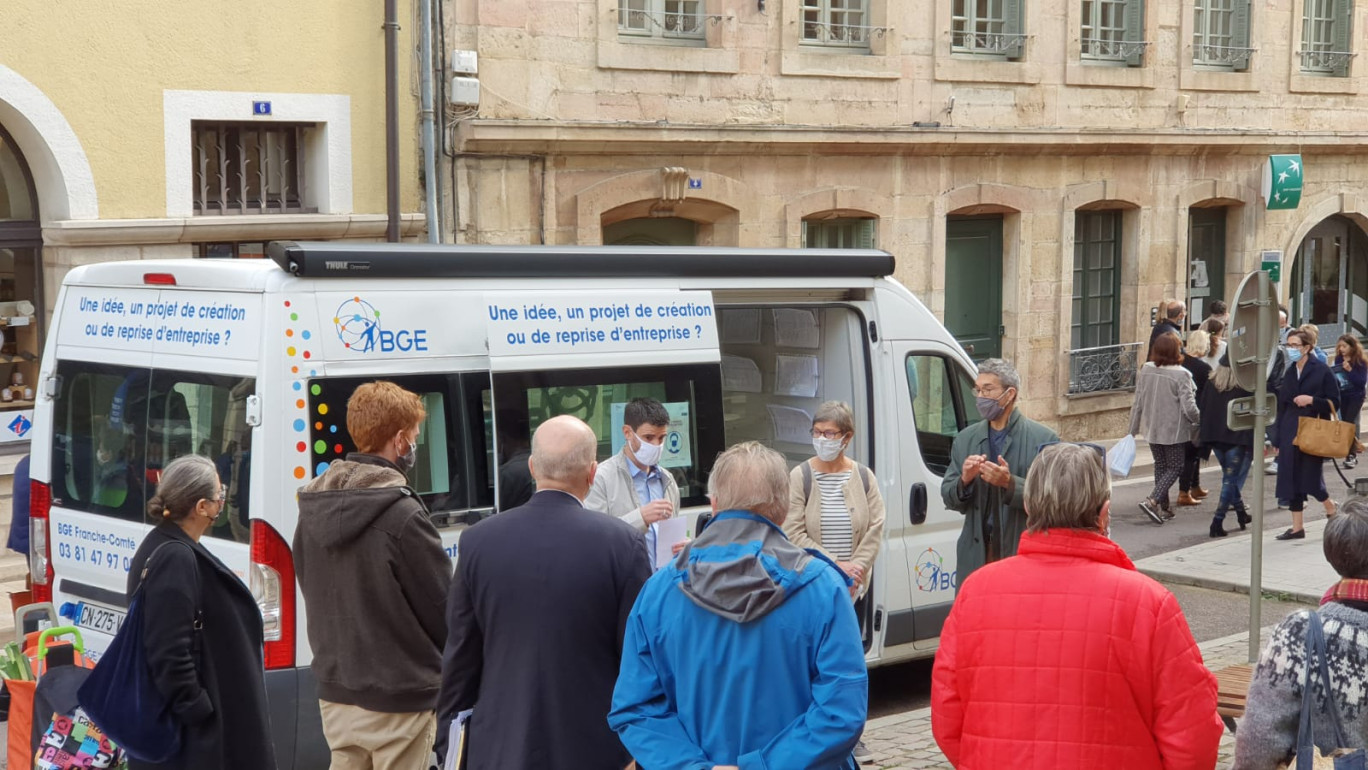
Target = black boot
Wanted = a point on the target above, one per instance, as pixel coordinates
(1217, 527)
(1242, 515)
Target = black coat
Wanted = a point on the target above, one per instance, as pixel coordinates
(219, 694)
(1301, 474)
(1214, 404)
(535, 621)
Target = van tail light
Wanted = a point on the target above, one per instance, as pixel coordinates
(159, 279)
(272, 583)
(40, 545)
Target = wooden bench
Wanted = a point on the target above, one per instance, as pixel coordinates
(1232, 687)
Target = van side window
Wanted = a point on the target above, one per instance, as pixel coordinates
(118, 426)
(451, 473)
(942, 405)
(689, 392)
(780, 363)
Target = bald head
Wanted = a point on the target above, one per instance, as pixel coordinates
(563, 451)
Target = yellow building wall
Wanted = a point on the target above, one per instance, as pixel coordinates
(106, 65)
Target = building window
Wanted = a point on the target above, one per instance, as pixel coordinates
(1220, 34)
(249, 168)
(1114, 31)
(837, 24)
(989, 28)
(674, 21)
(1326, 26)
(1097, 360)
(841, 233)
(252, 250)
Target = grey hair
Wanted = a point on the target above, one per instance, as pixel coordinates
(1005, 372)
(1176, 310)
(1198, 343)
(751, 477)
(184, 482)
(1345, 541)
(837, 412)
(568, 464)
(1065, 488)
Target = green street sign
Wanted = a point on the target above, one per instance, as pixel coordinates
(1282, 182)
(1272, 264)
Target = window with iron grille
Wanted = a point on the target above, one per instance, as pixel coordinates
(677, 21)
(1326, 41)
(1113, 31)
(249, 168)
(836, 23)
(1220, 34)
(987, 28)
(839, 233)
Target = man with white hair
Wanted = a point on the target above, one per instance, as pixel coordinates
(744, 651)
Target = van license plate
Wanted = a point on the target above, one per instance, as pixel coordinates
(100, 619)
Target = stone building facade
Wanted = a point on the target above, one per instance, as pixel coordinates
(1044, 171)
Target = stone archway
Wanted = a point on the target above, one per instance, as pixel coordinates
(1326, 278)
(61, 171)
(713, 201)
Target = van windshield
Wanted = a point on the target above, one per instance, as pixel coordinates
(116, 427)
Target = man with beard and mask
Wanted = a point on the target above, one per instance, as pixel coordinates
(375, 578)
(985, 479)
(631, 485)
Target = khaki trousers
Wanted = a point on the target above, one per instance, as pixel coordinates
(373, 740)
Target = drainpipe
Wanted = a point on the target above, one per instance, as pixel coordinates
(392, 119)
(434, 224)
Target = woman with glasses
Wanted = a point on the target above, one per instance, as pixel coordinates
(202, 630)
(1308, 390)
(834, 502)
(1166, 412)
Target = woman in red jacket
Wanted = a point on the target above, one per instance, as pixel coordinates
(1064, 656)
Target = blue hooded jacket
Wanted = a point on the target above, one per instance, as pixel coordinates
(743, 651)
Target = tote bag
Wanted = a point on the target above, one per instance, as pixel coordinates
(1307, 757)
(1332, 438)
(121, 696)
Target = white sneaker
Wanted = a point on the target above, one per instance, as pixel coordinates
(1272, 469)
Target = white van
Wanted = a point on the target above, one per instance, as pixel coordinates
(252, 363)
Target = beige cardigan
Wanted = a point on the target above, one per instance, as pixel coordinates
(804, 523)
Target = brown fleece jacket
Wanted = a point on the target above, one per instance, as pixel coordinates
(375, 578)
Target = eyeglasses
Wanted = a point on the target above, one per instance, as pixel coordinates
(827, 433)
(989, 392)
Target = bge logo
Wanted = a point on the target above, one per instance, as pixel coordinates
(358, 327)
(931, 572)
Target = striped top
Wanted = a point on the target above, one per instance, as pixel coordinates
(837, 537)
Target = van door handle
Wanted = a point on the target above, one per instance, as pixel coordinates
(917, 503)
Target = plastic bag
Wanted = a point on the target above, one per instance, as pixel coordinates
(1121, 457)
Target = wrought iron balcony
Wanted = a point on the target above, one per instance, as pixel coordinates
(1096, 370)
(1112, 50)
(840, 35)
(962, 41)
(1221, 55)
(687, 26)
(1325, 61)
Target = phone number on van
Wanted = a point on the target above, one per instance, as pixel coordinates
(95, 556)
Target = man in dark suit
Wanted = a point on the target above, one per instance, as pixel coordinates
(1171, 319)
(536, 616)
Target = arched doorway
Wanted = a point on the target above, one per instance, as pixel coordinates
(21, 291)
(1328, 283)
(651, 231)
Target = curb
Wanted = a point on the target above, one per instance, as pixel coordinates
(1222, 585)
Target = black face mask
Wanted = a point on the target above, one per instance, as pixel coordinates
(406, 461)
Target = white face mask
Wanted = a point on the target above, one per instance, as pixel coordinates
(646, 453)
(828, 449)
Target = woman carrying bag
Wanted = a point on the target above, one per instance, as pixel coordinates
(1308, 390)
(1166, 412)
(1351, 372)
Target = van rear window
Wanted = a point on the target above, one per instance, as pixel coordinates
(116, 427)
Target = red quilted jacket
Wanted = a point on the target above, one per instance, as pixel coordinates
(1064, 656)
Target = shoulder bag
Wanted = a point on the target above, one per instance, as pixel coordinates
(1332, 438)
(1307, 757)
(121, 696)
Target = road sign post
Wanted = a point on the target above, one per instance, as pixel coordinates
(1254, 332)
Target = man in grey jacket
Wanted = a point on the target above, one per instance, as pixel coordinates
(631, 485)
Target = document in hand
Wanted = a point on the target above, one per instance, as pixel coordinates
(456, 741)
(669, 532)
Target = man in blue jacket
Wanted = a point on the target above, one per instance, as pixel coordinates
(744, 652)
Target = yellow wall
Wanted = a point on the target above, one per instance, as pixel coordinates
(105, 66)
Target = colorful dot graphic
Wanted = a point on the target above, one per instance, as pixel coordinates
(301, 446)
(305, 334)
(320, 469)
(299, 426)
(299, 471)
(322, 408)
(290, 351)
(332, 428)
(299, 404)
(337, 448)
(298, 386)
(320, 446)
(315, 389)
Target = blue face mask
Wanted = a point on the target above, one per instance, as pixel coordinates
(1294, 354)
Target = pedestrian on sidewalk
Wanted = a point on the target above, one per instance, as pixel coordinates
(1268, 731)
(1172, 319)
(1234, 449)
(1278, 366)
(536, 618)
(1165, 411)
(987, 472)
(1308, 390)
(374, 576)
(1220, 312)
(1315, 350)
(1351, 373)
(1216, 334)
(1065, 656)
(743, 651)
(1190, 490)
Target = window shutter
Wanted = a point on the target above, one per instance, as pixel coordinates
(1239, 33)
(864, 237)
(1135, 31)
(807, 244)
(1344, 22)
(1011, 25)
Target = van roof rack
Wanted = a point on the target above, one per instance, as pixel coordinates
(423, 260)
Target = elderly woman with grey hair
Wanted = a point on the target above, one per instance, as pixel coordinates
(1067, 628)
(1268, 733)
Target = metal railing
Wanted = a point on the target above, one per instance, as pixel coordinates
(1221, 55)
(248, 169)
(985, 42)
(1096, 370)
(840, 35)
(1325, 61)
(665, 24)
(1112, 50)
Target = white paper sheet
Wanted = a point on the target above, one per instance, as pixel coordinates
(795, 376)
(796, 328)
(740, 375)
(790, 424)
(669, 532)
(741, 326)
(455, 737)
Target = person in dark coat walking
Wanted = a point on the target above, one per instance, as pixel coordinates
(1172, 319)
(1351, 372)
(1234, 449)
(202, 629)
(1308, 390)
(536, 618)
(1190, 490)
